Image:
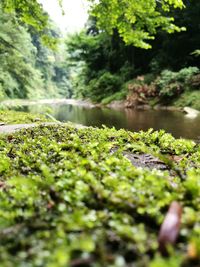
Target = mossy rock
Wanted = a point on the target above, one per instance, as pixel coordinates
(17, 117)
(68, 197)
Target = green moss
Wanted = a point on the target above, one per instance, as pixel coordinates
(16, 117)
(69, 195)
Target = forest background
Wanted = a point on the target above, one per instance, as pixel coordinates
(102, 62)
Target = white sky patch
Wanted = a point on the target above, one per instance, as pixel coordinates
(75, 14)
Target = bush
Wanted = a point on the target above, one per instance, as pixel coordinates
(141, 87)
(170, 84)
(115, 97)
(126, 71)
(103, 86)
(185, 74)
(190, 99)
(195, 80)
(149, 78)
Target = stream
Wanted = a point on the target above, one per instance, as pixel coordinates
(174, 122)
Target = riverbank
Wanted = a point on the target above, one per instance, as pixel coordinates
(86, 196)
(174, 122)
(173, 90)
(162, 88)
(116, 104)
(27, 102)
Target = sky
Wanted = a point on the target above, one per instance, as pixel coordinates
(75, 14)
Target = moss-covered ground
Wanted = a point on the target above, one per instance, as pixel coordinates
(68, 197)
(16, 117)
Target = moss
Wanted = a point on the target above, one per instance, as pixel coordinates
(16, 117)
(69, 197)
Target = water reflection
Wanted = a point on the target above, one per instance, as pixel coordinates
(173, 122)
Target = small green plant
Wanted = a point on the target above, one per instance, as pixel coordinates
(70, 197)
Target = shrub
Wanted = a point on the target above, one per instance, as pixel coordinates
(171, 90)
(189, 98)
(140, 87)
(185, 74)
(115, 97)
(170, 84)
(149, 78)
(195, 80)
(103, 86)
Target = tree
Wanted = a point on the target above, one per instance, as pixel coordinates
(52, 64)
(29, 12)
(100, 62)
(18, 75)
(137, 21)
(104, 56)
(28, 69)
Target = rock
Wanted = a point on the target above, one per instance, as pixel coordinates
(145, 160)
(144, 107)
(170, 108)
(191, 112)
(173, 108)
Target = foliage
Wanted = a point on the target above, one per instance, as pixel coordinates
(17, 73)
(28, 69)
(196, 53)
(136, 21)
(177, 88)
(30, 12)
(174, 51)
(100, 62)
(95, 52)
(115, 97)
(70, 198)
(100, 52)
(195, 81)
(102, 87)
(142, 87)
(53, 66)
(189, 99)
(170, 84)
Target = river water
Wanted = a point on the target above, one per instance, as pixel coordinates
(174, 122)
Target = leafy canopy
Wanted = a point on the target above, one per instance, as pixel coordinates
(136, 20)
